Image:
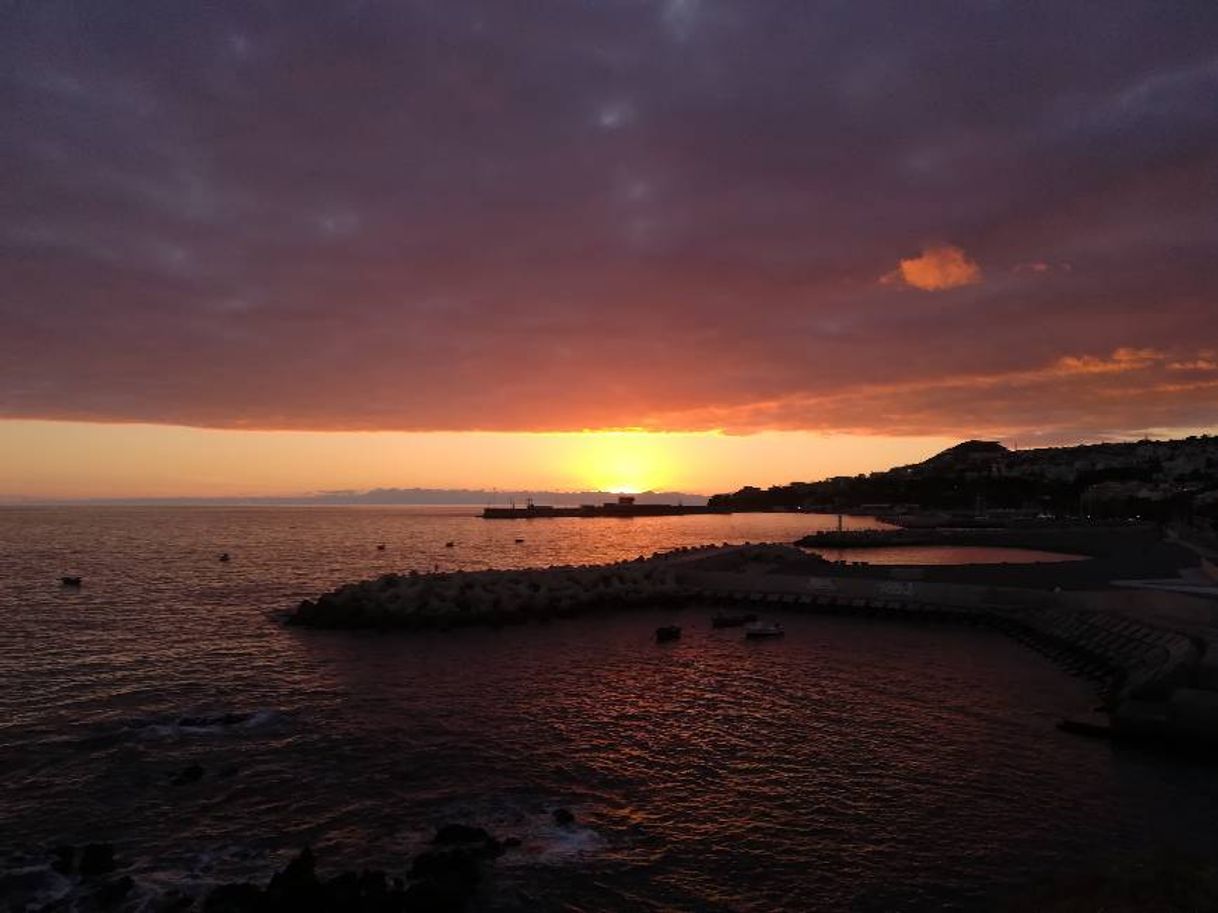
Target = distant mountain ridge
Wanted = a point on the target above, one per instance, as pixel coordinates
(388, 496)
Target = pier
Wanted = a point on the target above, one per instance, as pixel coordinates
(624, 506)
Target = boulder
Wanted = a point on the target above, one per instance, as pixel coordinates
(451, 834)
(96, 859)
(234, 898)
(64, 860)
(112, 893)
(445, 877)
(296, 887)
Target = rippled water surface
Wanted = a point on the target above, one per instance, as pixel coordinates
(849, 766)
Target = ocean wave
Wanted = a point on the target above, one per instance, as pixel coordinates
(163, 728)
(31, 886)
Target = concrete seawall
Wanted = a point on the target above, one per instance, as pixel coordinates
(1147, 650)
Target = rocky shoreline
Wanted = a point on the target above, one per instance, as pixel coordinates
(445, 877)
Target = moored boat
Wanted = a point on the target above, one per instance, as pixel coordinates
(758, 629)
(667, 633)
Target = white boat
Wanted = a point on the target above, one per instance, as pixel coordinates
(763, 629)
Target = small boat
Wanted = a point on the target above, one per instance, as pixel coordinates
(224, 557)
(71, 581)
(732, 621)
(758, 629)
(668, 633)
(381, 547)
(449, 544)
(518, 541)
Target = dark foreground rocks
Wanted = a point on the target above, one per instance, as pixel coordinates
(443, 879)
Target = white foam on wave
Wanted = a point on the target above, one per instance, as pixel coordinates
(205, 725)
(33, 887)
(555, 845)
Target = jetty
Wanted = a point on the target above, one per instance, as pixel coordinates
(624, 506)
(1151, 651)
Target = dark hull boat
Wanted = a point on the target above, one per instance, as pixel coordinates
(760, 629)
(668, 633)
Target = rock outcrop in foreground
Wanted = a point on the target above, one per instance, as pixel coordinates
(444, 878)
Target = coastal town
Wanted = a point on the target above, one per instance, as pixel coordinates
(1172, 481)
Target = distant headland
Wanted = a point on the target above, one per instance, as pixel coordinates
(1172, 480)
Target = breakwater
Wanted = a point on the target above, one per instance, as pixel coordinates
(1156, 680)
(493, 597)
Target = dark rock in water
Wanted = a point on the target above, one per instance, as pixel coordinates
(191, 774)
(65, 859)
(445, 880)
(563, 817)
(296, 887)
(462, 863)
(369, 891)
(668, 633)
(173, 902)
(96, 859)
(113, 892)
(446, 877)
(439, 896)
(461, 833)
(234, 898)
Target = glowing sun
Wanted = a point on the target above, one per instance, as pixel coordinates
(623, 461)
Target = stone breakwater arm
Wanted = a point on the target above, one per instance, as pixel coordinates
(421, 601)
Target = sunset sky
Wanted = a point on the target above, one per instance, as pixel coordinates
(280, 247)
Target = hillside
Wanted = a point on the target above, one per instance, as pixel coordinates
(1175, 479)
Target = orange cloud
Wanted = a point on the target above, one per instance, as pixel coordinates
(1042, 399)
(939, 268)
(1206, 361)
(1123, 359)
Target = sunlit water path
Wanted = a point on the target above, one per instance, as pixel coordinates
(852, 765)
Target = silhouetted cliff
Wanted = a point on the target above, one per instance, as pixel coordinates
(1156, 479)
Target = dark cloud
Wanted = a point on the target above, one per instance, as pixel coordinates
(556, 214)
